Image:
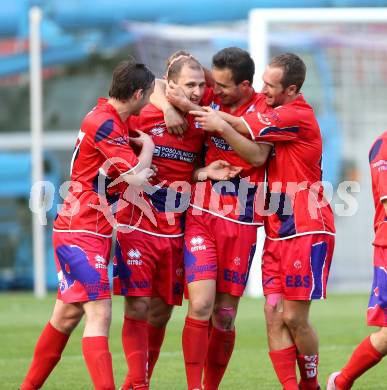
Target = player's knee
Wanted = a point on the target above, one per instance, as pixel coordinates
(224, 317)
(100, 315)
(379, 340)
(70, 323)
(200, 307)
(269, 313)
(159, 320)
(385, 340)
(294, 322)
(66, 321)
(97, 323)
(274, 322)
(138, 308)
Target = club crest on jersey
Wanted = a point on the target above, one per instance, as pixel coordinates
(197, 244)
(157, 131)
(179, 272)
(237, 261)
(263, 119)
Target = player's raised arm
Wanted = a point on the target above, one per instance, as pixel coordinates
(171, 98)
(235, 122)
(174, 118)
(254, 153)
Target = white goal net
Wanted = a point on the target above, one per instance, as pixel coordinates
(154, 42)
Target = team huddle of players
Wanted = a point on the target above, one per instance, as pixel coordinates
(186, 181)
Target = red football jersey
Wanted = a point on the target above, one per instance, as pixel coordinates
(378, 165)
(238, 199)
(161, 208)
(101, 154)
(296, 203)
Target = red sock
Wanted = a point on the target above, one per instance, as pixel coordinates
(210, 326)
(48, 351)
(363, 358)
(99, 362)
(135, 343)
(284, 363)
(220, 348)
(308, 365)
(195, 345)
(156, 338)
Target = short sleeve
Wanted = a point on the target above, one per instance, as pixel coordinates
(277, 125)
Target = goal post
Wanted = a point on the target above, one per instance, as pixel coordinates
(36, 97)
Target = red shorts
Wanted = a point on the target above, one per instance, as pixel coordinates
(218, 249)
(81, 261)
(146, 265)
(298, 267)
(377, 307)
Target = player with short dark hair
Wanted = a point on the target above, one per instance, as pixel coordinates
(299, 226)
(128, 77)
(374, 347)
(238, 61)
(83, 227)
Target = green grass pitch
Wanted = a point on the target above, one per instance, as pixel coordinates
(340, 323)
